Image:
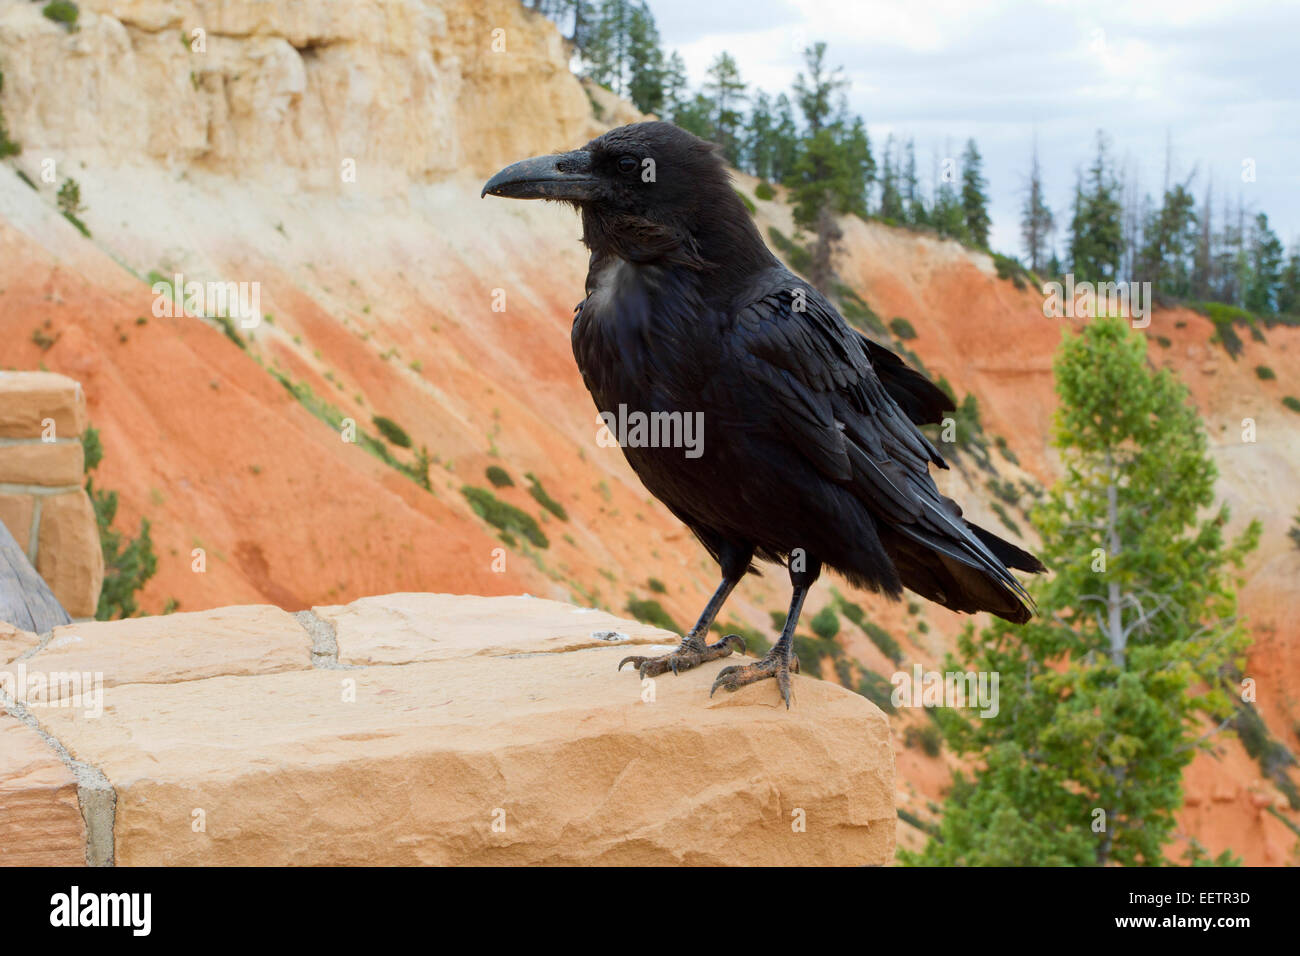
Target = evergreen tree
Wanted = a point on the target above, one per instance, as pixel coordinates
(696, 116)
(647, 70)
(785, 139)
(1203, 256)
(974, 201)
(1096, 232)
(862, 166)
(947, 215)
(815, 94)
(1102, 694)
(675, 93)
(1036, 220)
(891, 197)
(726, 92)
(821, 176)
(760, 144)
(1166, 259)
(1265, 268)
(609, 44)
(1288, 293)
(913, 200)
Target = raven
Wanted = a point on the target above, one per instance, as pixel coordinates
(811, 455)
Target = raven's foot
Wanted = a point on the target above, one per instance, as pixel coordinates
(692, 653)
(775, 664)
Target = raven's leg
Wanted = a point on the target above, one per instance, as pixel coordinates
(780, 661)
(694, 651)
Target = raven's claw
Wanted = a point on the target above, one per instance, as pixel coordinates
(692, 653)
(775, 664)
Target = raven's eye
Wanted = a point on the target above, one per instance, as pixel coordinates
(627, 164)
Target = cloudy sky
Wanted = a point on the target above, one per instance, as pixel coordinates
(1220, 81)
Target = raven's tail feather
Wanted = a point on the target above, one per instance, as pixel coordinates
(961, 566)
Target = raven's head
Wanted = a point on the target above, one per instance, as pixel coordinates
(647, 192)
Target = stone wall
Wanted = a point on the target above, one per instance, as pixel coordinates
(421, 729)
(42, 499)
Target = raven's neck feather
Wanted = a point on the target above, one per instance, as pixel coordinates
(723, 245)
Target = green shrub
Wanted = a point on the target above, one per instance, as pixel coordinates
(850, 610)
(62, 11)
(128, 563)
(1163, 342)
(778, 620)
(1004, 490)
(749, 203)
(656, 586)
(825, 624)
(1225, 318)
(1264, 373)
(503, 515)
(856, 312)
(884, 640)
(499, 477)
(800, 258)
(764, 191)
(1292, 403)
(7, 146)
(902, 328)
(651, 612)
(878, 690)
(1005, 518)
(1007, 453)
(1009, 268)
(392, 431)
(69, 200)
(546, 501)
(926, 736)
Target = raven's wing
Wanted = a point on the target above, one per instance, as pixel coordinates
(922, 400)
(832, 405)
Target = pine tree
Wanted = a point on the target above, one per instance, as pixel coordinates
(1288, 293)
(726, 92)
(1036, 220)
(913, 200)
(1096, 230)
(1166, 258)
(1265, 268)
(675, 95)
(608, 45)
(647, 70)
(1102, 696)
(946, 214)
(974, 201)
(760, 142)
(862, 166)
(1203, 257)
(891, 197)
(785, 139)
(816, 93)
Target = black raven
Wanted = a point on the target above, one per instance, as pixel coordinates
(810, 452)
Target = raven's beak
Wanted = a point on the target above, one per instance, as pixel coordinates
(564, 176)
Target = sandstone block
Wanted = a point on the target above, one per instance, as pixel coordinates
(27, 398)
(51, 464)
(510, 751)
(69, 556)
(16, 515)
(257, 639)
(40, 819)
